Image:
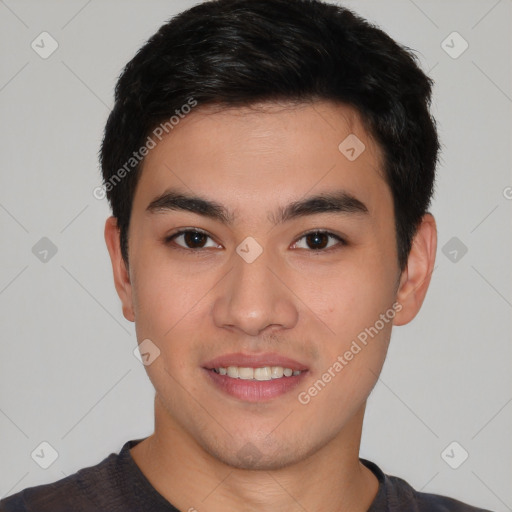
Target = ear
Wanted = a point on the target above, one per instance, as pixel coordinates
(121, 275)
(415, 278)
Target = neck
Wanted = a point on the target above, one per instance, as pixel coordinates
(331, 480)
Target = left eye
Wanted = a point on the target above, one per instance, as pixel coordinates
(319, 240)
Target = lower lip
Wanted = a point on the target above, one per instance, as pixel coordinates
(254, 390)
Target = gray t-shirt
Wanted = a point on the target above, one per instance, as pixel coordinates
(118, 485)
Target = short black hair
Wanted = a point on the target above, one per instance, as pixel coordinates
(235, 53)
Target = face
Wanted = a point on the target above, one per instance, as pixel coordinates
(234, 268)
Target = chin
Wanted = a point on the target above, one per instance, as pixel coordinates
(257, 453)
(252, 459)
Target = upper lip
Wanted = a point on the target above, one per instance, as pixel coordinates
(254, 361)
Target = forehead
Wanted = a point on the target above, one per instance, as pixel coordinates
(266, 153)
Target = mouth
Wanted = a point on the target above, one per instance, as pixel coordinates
(261, 373)
(254, 378)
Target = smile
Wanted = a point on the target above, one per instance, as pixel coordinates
(260, 374)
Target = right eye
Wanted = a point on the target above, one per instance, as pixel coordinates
(191, 240)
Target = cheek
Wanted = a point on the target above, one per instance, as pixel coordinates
(164, 297)
(350, 366)
(172, 310)
(357, 308)
(352, 298)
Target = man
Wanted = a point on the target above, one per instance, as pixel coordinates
(270, 164)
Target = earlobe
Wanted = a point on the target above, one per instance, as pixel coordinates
(415, 278)
(120, 271)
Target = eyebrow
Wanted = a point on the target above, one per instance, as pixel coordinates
(339, 201)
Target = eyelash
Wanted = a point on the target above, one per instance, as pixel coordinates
(341, 242)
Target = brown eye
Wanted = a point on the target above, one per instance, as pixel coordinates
(191, 239)
(319, 240)
(194, 239)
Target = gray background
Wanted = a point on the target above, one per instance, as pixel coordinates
(68, 375)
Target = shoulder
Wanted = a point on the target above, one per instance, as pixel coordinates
(396, 495)
(78, 492)
(425, 502)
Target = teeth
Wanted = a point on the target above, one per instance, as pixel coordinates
(263, 373)
(232, 371)
(245, 373)
(276, 372)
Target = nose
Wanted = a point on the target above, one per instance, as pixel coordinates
(254, 296)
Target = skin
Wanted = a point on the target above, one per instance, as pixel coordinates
(294, 300)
